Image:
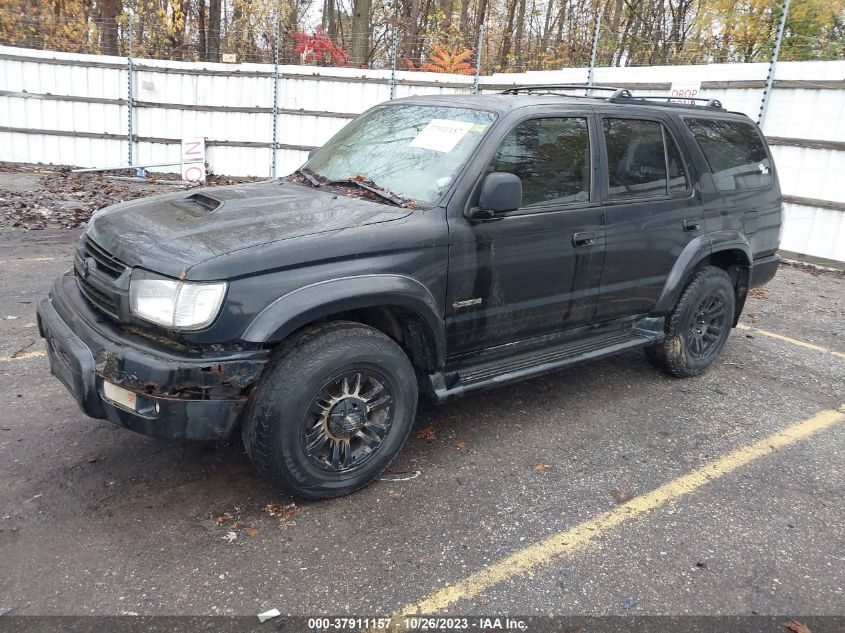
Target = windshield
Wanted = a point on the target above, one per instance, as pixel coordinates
(410, 150)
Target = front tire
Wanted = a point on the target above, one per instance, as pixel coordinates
(698, 327)
(332, 411)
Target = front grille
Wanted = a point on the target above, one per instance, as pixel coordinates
(93, 262)
(108, 265)
(97, 298)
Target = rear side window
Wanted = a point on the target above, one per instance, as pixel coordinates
(735, 153)
(551, 157)
(643, 160)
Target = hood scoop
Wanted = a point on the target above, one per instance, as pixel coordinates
(206, 202)
(199, 202)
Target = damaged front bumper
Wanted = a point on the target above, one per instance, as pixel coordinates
(177, 392)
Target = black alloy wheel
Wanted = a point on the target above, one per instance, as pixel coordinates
(348, 420)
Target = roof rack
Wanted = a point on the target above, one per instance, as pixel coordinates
(708, 103)
(618, 93)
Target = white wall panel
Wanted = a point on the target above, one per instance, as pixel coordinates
(814, 231)
(802, 112)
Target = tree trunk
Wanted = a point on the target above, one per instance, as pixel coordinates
(202, 45)
(507, 35)
(360, 52)
(213, 38)
(330, 19)
(411, 29)
(448, 9)
(615, 33)
(520, 31)
(479, 20)
(108, 27)
(464, 23)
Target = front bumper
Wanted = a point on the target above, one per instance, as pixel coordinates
(180, 393)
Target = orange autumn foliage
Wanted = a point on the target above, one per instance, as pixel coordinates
(451, 60)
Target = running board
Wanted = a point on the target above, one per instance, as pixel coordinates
(500, 372)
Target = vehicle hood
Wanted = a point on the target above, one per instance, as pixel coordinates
(171, 233)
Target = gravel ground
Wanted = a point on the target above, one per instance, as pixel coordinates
(97, 520)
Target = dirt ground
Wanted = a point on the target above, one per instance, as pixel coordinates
(97, 520)
(54, 197)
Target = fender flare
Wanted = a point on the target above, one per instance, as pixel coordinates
(693, 253)
(304, 305)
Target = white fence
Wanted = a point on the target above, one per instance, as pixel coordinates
(72, 109)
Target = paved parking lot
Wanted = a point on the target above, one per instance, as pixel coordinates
(607, 488)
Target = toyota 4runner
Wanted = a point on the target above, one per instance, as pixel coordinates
(435, 245)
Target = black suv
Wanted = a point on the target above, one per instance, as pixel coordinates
(435, 245)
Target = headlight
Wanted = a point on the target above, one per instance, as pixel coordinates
(183, 305)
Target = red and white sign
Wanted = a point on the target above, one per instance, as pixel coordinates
(193, 149)
(681, 89)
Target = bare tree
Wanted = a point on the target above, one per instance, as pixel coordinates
(109, 10)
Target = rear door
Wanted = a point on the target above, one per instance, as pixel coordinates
(535, 270)
(651, 209)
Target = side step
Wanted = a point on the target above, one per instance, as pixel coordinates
(500, 372)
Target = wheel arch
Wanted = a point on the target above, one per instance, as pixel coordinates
(399, 306)
(729, 250)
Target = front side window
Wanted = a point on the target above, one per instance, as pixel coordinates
(551, 157)
(640, 154)
(413, 151)
(735, 153)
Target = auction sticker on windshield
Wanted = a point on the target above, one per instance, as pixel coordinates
(441, 135)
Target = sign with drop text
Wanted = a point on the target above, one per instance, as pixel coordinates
(681, 89)
(193, 159)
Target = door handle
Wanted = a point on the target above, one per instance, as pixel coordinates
(692, 225)
(583, 239)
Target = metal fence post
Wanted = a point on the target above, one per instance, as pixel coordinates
(770, 78)
(476, 82)
(394, 51)
(594, 49)
(129, 98)
(274, 142)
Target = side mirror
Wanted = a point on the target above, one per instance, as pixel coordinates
(312, 152)
(500, 192)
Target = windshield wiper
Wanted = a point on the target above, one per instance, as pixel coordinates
(370, 186)
(314, 182)
(363, 184)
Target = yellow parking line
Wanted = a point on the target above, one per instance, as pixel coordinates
(24, 356)
(528, 560)
(794, 341)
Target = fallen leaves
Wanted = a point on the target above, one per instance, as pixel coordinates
(61, 199)
(621, 495)
(752, 318)
(428, 433)
(797, 627)
(284, 514)
(252, 531)
(230, 520)
(461, 446)
(539, 468)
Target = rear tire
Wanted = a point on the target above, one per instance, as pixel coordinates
(698, 327)
(332, 411)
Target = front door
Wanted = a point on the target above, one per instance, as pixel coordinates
(651, 211)
(535, 270)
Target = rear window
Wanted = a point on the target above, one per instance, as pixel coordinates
(640, 154)
(735, 153)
